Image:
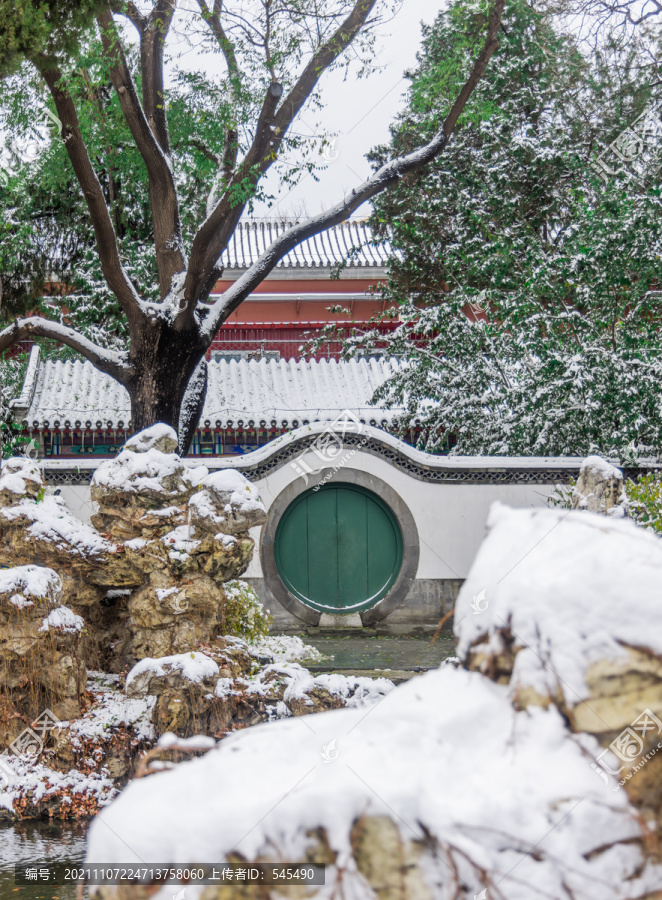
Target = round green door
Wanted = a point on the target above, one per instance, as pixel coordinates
(338, 549)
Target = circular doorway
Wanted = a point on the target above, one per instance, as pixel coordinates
(338, 549)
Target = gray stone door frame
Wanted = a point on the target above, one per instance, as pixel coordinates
(410, 544)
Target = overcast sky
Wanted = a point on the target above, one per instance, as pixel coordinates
(360, 112)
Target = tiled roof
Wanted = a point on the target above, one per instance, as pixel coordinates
(351, 242)
(246, 390)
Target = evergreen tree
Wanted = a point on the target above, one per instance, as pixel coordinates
(564, 356)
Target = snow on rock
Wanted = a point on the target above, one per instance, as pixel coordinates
(152, 676)
(562, 590)
(566, 607)
(440, 791)
(34, 783)
(600, 488)
(180, 542)
(160, 437)
(286, 648)
(51, 522)
(32, 583)
(226, 502)
(19, 477)
(150, 473)
(77, 775)
(111, 710)
(197, 742)
(296, 690)
(62, 619)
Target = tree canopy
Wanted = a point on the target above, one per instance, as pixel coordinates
(527, 287)
(164, 168)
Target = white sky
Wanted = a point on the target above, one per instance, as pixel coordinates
(359, 112)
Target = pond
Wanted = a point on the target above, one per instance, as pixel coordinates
(39, 841)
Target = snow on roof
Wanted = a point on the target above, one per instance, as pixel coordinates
(349, 242)
(246, 390)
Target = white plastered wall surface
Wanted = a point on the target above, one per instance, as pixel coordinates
(450, 516)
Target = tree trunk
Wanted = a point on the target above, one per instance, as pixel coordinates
(165, 361)
(191, 408)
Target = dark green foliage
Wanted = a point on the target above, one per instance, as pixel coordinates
(32, 27)
(512, 218)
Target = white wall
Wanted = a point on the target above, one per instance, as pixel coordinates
(77, 498)
(450, 517)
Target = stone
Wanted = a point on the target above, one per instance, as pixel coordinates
(158, 437)
(41, 664)
(151, 677)
(146, 580)
(20, 477)
(148, 480)
(575, 623)
(600, 488)
(226, 502)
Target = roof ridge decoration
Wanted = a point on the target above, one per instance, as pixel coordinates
(29, 382)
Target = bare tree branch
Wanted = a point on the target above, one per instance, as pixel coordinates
(168, 242)
(325, 56)
(388, 175)
(216, 231)
(231, 144)
(117, 279)
(114, 364)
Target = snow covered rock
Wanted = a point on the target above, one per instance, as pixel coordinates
(600, 489)
(40, 656)
(140, 548)
(227, 687)
(566, 608)
(403, 802)
(159, 437)
(227, 502)
(19, 477)
(181, 601)
(46, 530)
(26, 585)
(153, 676)
(149, 480)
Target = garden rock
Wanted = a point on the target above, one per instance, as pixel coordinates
(599, 488)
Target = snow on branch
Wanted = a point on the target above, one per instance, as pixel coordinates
(114, 364)
(387, 175)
